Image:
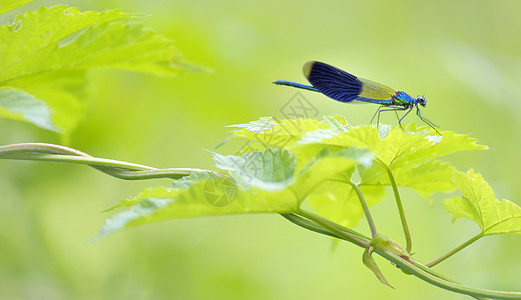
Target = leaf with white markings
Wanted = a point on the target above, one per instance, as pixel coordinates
(257, 182)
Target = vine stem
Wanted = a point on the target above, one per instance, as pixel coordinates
(455, 250)
(115, 168)
(426, 275)
(334, 228)
(367, 213)
(401, 211)
(318, 224)
(310, 225)
(125, 170)
(365, 208)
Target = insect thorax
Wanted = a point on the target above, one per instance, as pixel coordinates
(402, 99)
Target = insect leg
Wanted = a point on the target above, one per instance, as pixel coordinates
(425, 119)
(395, 109)
(400, 121)
(380, 107)
(432, 125)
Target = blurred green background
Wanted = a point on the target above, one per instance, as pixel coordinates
(462, 55)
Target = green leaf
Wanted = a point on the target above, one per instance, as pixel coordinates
(480, 205)
(288, 134)
(370, 263)
(41, 50)
(392, 146)
(199, 195)
(118, 45)
(426, 178)
(398, 147)
(258, 182)
(63, 92)
(18, 105)
(323, 184)
(264, 123)
(330, 165)
(33, 36)
(269, 170)
(317, 172)
(8, 5)
(337, 123)
(42, 44)
(338, 202)
(183, 183)
(409, 154)
(146, 208)
(277, 133)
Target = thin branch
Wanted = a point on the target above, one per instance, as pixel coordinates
(365, 208)
(308, 220)
(115, 168)
(367, 213)
(348, 235)
(413, 267)
(307, 224)
(441, 282)
(401, 211)
(455, 250)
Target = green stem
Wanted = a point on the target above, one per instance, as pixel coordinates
(441, 282)
(367, 213)
(401, 211)
(405, 264)
(305, 223)
(365, 208)
(339, 227)
(348, 235)
(441, 276)
(48, 152)
(115, 168)
(455, 250)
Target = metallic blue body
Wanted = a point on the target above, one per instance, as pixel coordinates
(404, 99)
(400, 98)
(344, 87)
(297, 85)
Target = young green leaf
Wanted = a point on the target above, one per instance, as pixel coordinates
(198, 195)
(32, 36)
(61, 89)
(330, 165)
(118, 45)
(17, 104)
(392, 147)
(338, 202)
(426, 178)
(480, 205)
(370, 263)
(398, 147)
(269, 170)
(337, 123)
(277, 133)
(258, 182)
(323, 184)
(8, 5)
(39, 48)
(408, 154)
(288, 134)
(255, 127)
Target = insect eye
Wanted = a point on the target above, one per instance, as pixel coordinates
(422, 101)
